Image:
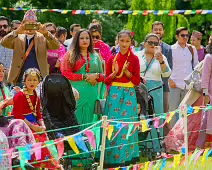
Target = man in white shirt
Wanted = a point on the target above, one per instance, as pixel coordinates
(73, 30)
(184, 58)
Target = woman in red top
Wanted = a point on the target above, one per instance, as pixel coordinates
(123, 73)
(27, 108)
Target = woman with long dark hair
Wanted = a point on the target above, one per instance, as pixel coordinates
(82, 66)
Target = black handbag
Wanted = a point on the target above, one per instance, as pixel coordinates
(100, 104)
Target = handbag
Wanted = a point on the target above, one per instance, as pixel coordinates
(100, 103)
(194, 79)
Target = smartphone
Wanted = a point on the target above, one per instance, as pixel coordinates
(32, 26)
(97, 50)
(158, 49)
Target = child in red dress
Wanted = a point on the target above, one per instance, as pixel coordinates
(27, 108)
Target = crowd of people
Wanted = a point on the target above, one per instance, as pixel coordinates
(38, 64)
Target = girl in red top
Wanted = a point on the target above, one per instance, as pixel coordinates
(123, 73)
(27, 108)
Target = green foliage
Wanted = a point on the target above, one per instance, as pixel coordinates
(142, 25)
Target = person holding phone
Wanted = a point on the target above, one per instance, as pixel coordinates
(153, 66)
(30, 43)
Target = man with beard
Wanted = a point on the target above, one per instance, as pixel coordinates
(158, 28)
(30, 43)
(5, 53)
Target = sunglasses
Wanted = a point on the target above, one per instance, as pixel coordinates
(52, 31)
(4, 26)
(185, 35)
(152, 43)
(96, 37)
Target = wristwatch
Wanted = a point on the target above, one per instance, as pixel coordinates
(162, 62)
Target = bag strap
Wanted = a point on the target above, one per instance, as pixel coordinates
(148, 66)
(192, 53)
(29, 49)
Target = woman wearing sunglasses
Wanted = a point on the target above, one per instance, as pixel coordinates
(103, 48)
(153, 65)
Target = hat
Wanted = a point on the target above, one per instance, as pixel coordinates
(30, 15)
(197, 34)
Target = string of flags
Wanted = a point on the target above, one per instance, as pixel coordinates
(111, 12)
(93, 134)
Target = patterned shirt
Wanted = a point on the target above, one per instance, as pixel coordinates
(6, 55)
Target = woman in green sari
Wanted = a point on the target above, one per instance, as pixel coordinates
(82, 66)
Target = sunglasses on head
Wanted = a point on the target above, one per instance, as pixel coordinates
(152, 43)
(96, 37)
(185, 35)
(52, 31)
(4, 26)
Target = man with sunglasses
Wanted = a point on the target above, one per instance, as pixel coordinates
(6, 54)
(184, 60)
(73, 30)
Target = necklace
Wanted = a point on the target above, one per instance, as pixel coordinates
(33, 108)
(122, 71)
(88, 64)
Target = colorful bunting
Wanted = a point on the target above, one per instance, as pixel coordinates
(163, 164)
(37, 150)
(193, 156)
(97, 133)
(80, 143)
(130, 127)
(198, 155)
(144, 127)
(177, 160)
(73, 145)
(204, 157)
(52, 148)
(60, 147)
(1, 153)
(110, 130)
(111, 12)
(91, 138)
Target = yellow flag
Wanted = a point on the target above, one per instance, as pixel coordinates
(170, 116)
(177, 160)
(111, 12)
(146, 167)
(117, 168)
(87, 12)
(64, 12)
(110, 131)
(196, 109)
(73, 145)
(204, 156)
(144, 126)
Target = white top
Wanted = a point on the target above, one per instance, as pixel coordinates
(182, 64)
(68, 43)
(154, 71)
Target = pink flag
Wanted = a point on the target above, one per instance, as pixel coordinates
(91, 138)
(60, 147)
(37, 150)
(156, 122)
(9, 153)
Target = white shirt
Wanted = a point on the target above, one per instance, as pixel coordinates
(154, 71)
(68, 43)
(182, 64)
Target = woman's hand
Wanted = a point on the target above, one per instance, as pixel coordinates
(125, 67)
(37, 128)
(116, 67)
(172, 84)
(91, 78)
(159, 57)
(206, 100)
(143, 79)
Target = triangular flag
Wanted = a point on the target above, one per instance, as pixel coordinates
(170, 116)
(135, 167)
(209, 152)
(110, 130)
(97, 133)
(157, 164)
(130, 127)
(144, 127)
(37, 150)
(60, 147)
(198, 155)
(163, 164)
(27, 153)
(150, 166)
(1, 155)
(177, 160)
(22, 158)
(9, 153)
(52, 148)
(146, 167)
(204, 156)
(193, 156)
(80, 143)
(120, 127)
(73, 145)
(156, 122)
(91, 138)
